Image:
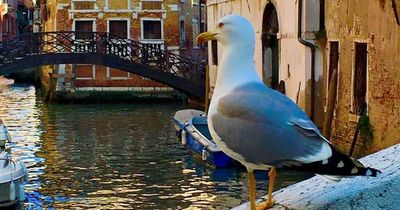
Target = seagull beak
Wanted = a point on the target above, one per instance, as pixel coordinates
(206, 36)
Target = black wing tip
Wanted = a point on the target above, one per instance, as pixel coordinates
(368, 171)
(338, 164)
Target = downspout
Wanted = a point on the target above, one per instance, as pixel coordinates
(312, 48)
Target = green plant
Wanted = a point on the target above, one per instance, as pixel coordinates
(365, 127)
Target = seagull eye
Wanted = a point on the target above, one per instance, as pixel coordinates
(220, 25)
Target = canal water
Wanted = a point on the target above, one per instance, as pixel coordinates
(108, 156)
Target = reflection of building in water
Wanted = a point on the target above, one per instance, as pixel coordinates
(280, 56)
(156, 23)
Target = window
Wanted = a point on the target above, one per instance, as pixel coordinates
(151, 29)
(116, 74)
(85, 71)
(183, 34)
(118, 29)
(202, 27)
(117, 4)
(214, 52)
(360, 78)
(84, 26)
(333, 59)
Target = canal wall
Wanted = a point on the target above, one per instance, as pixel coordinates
(381, 192)
(119, 94)
(61, 87)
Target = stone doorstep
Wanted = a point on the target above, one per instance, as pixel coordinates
(381, 192)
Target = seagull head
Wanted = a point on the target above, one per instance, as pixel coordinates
(231, 30)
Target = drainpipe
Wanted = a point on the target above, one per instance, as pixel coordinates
(312, 48)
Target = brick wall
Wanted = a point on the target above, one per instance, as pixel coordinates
(115, 77)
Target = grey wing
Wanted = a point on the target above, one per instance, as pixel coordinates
(265, 128)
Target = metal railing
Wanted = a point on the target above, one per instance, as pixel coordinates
(65, 42)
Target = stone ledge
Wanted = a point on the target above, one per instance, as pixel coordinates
(381, 192)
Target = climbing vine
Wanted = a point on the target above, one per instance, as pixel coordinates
(365, 128)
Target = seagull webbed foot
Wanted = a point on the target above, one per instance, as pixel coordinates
(270, 201)
(266, 205)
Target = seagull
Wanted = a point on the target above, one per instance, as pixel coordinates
(260, 127)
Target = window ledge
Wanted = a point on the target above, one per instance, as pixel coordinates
(85, 78)
(153, 10)
(118, 78)
(119, 10)
(152, 41)
(84, 10)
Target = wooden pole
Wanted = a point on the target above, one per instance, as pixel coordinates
(298, 94)
(331, 105)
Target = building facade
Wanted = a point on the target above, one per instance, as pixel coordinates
(8, 19)
(288, 53)
(148, 21)
(192, 22)
(15, 18)
(364, 46)
(25, 12)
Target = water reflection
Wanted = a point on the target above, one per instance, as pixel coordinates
(114, 156)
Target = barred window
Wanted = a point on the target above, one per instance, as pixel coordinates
(360, 77)
(333, 59)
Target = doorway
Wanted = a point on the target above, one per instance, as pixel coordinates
(270, 46)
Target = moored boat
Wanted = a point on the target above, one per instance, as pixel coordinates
(192, 129)
(13, 174)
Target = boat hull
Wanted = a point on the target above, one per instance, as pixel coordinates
(192, 129)
(5, 192)
(13, 174)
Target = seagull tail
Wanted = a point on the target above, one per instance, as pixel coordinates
(338, 164)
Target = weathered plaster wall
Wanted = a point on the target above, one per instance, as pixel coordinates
(372, 22)
(294, 58)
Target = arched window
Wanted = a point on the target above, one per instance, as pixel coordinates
(270, 46)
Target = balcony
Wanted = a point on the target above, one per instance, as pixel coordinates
(157, 43)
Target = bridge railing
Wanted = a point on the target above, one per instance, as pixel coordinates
(150, 55)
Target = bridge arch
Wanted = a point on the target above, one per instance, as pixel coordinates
(147, 60)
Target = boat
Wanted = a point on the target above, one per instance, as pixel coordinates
(4, 135)
(13, 175)
(192, 130)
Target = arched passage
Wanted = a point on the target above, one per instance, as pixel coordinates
(270, 46)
